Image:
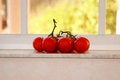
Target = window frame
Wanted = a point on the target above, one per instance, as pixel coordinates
(24, 40)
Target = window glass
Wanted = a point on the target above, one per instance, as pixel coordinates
(111, 17)
(77, 16)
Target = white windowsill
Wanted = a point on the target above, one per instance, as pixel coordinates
(30, 53)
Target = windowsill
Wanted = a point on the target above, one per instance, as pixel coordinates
(96, 54)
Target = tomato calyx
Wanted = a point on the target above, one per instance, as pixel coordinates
(68, 35)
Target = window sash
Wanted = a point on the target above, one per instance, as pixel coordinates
(24, 40)
(24, 16)
(102, 16)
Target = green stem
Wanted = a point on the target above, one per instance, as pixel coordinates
(52, 33)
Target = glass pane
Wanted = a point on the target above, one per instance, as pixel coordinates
(111, 16)
(77, 16)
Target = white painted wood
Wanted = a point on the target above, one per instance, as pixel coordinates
(31, 53)
(102, 16)
(24, 16)
(118, 19)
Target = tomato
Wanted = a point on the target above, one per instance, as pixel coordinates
(65, 45)
(81, 45)
(37, 44)
(50, 44)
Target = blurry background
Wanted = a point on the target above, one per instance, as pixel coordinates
(3, 15)
(9, 16)
(77, 16)
(111, 12)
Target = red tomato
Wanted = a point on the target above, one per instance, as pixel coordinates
(65, 45)
(37, 44)
(50, 44)
(81, 45)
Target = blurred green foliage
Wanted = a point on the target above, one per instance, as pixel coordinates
(77, 16)
(111, 11)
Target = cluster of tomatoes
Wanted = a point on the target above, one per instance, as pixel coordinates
(64, 44)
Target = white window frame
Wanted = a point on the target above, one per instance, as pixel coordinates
(24, 40)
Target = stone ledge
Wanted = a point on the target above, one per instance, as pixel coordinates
(24, 53)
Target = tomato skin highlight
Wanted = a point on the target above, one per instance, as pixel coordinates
(65, 45)
(81, 45)
(50, 45)
(37, 44)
